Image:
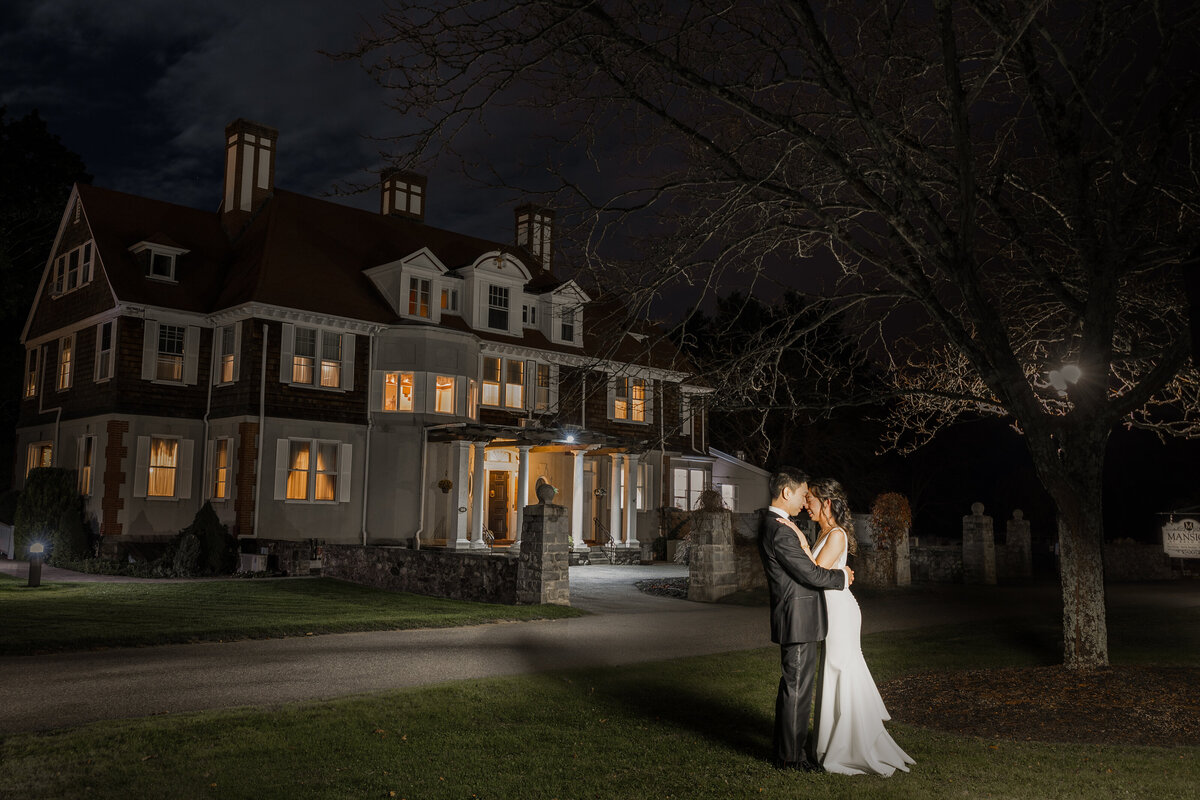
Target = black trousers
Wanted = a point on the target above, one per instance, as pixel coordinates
(793, 704)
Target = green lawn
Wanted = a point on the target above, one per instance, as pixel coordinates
(79, 616)
(691, 728)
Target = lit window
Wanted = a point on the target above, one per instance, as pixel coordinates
(164, 459)
(398, 391)
(729, 496)
(66, 347)
(40, 454)
(331, 359)
(87, 458)
(170, 353)
(629, 402)
(220, 466)
(297, 481)
(304, 355)
(104, 350)
(541, 400)
(227, 337)
(31, 372)
(444, 395)
(327, 471)
(498, 307)
(491, 381)
(514, 384)
(418, 297)
(568, 325)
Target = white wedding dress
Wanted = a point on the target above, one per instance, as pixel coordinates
(851, 739)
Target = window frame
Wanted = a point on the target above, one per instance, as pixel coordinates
(420, 297)
(184, 455)
(85, 464)
(173, 361)
(220, 476)
(65, 373)
(33, 356)
(105, 360)
(342, 471)
(622, 403)
(398, 383)
(75, 264)
(323, 366)
(45, 456)
(499, 306)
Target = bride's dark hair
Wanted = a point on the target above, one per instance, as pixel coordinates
(829, 489)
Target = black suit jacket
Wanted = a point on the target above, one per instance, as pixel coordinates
(796, 584)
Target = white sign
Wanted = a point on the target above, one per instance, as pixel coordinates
(1181, 538)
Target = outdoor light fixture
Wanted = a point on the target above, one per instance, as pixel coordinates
(1059, 378)
(36, 551)
(570, 438)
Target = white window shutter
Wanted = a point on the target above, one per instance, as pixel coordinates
(237, 349)
(348, 361)
(141, 469)
(612, 396)
(375, 401)
(208, 471)
(346, 451)
(79, 443)
(428, 391)
(191, 354)
(554, 388)
(282, 451)
(183, 471)
(287, 345)
(650, 384)
(215, 360)
(530, 384)
(150, 351)
(460, 396)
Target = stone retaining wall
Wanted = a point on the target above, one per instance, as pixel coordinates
(936, 563)
(1137, 562)
(477, 575)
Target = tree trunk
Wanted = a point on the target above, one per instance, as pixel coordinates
(1075, 484)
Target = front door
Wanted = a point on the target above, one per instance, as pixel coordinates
(497, 516)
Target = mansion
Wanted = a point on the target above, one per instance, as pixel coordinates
(317, 371)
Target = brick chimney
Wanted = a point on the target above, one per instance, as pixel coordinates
(403, 194)
(249, 171)
(535, 232)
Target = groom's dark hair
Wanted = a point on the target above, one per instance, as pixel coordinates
(785, 477)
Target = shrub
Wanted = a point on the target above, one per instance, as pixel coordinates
(891, 519)
(50, 510)
(203, 548)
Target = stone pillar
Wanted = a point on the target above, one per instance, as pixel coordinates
(712, 565)
(631, 466)
(522, 491)
(614, 499)
(542, 567)
(479, 501)
(460, 497)
(903, 562)
(1019, 546)
(576, 532)
(979, 547)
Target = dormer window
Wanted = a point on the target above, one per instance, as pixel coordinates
(72, 269)
(568, 325)
(450, 300)
(529, 315)
(418, 297)
(498, 307)
(158, 260)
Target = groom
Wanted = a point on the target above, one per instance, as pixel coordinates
(798, 624)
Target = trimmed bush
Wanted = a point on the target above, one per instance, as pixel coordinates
(50, 510)
(203, 548)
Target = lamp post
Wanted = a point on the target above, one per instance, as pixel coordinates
(35, 563)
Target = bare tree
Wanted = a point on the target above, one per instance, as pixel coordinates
(994, 194)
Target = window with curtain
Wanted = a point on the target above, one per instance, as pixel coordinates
(31, 372)
(444, 395)
(220, 466)
(297, 480)
(629, 399)
(325, 478)
(541, 400)
(40, 454)
(170, 352)
(304, 355)
(491, 381)
(87, 457)
(331, 359)
(164, 460)
(398, 391)
(514, 384)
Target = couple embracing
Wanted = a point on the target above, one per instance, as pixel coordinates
(810, 604)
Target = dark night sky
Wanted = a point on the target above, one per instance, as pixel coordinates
(143, 89)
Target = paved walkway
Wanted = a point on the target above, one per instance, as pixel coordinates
(626, 626)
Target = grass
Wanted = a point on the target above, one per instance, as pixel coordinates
(692, 728)
(80, 616)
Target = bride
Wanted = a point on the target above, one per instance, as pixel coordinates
(851, 739)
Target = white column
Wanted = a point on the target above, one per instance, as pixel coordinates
(460, 460)
(614, 499)
(631, 470)
(479, 509)
(577, 500)
(522, 492)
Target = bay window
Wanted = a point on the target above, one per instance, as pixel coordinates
(398, 391)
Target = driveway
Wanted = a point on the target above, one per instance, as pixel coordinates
(626, 626)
